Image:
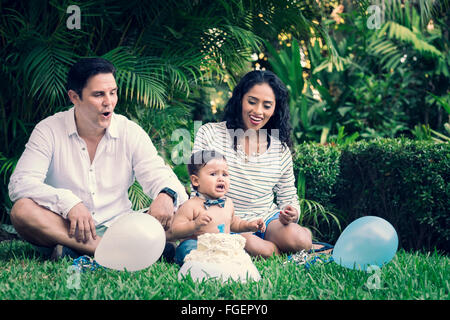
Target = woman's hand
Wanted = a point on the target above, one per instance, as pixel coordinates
(288, 214)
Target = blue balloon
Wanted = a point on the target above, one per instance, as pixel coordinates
(366, 241)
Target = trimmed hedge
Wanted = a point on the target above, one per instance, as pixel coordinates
(406, 182)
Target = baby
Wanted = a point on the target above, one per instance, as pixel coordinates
(209, 211)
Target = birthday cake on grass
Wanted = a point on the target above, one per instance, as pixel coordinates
(220, 255)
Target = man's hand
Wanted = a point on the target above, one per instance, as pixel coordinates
(288, 215)
(162, 209)
(81, 223)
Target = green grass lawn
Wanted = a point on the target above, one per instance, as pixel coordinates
(25, 275)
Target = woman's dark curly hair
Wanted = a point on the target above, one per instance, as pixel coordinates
(281, 117)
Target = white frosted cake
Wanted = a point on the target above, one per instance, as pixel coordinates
(220, 248)
(220, 255)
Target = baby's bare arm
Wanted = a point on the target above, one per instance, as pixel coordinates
(238, 225)
(188, 220)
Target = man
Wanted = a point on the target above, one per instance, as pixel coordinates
(72, 180)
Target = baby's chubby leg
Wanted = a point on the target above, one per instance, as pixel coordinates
(289, 237)
(257, 247)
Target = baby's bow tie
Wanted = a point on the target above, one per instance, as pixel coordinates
(220, 202)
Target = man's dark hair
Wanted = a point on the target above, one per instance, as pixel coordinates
(84, 69)
(200, 159)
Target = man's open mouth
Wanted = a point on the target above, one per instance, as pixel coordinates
(106, 113)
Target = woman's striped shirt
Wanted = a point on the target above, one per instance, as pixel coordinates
(260, 185)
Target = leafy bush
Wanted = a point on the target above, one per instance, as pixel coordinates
(320, 166)
(403, 181)
(317, 169)
(166, 53)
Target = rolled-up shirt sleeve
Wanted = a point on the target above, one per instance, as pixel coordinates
(152, 173)
(28, 178)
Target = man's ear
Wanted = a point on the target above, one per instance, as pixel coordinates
(73, 96)
(194, 180)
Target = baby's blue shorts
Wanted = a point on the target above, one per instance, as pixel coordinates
(183, 250)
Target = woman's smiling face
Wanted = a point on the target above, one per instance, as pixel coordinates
(258, 106)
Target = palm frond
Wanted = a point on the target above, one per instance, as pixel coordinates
(138, 79)
(7, 166)
(389, 52)
(396, 31)
(45, 69)
(150, 80)
(404, 31)
(312, 213)
(428, 9)
(138, 198)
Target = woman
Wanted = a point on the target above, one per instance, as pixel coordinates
(255, 139)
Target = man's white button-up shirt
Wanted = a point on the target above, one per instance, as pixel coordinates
(56, 172)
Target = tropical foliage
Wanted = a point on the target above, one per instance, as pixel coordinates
(354, 73)
(167, 53)
(382, 80)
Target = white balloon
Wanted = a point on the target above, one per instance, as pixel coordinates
(134, 242)
(223, 271)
